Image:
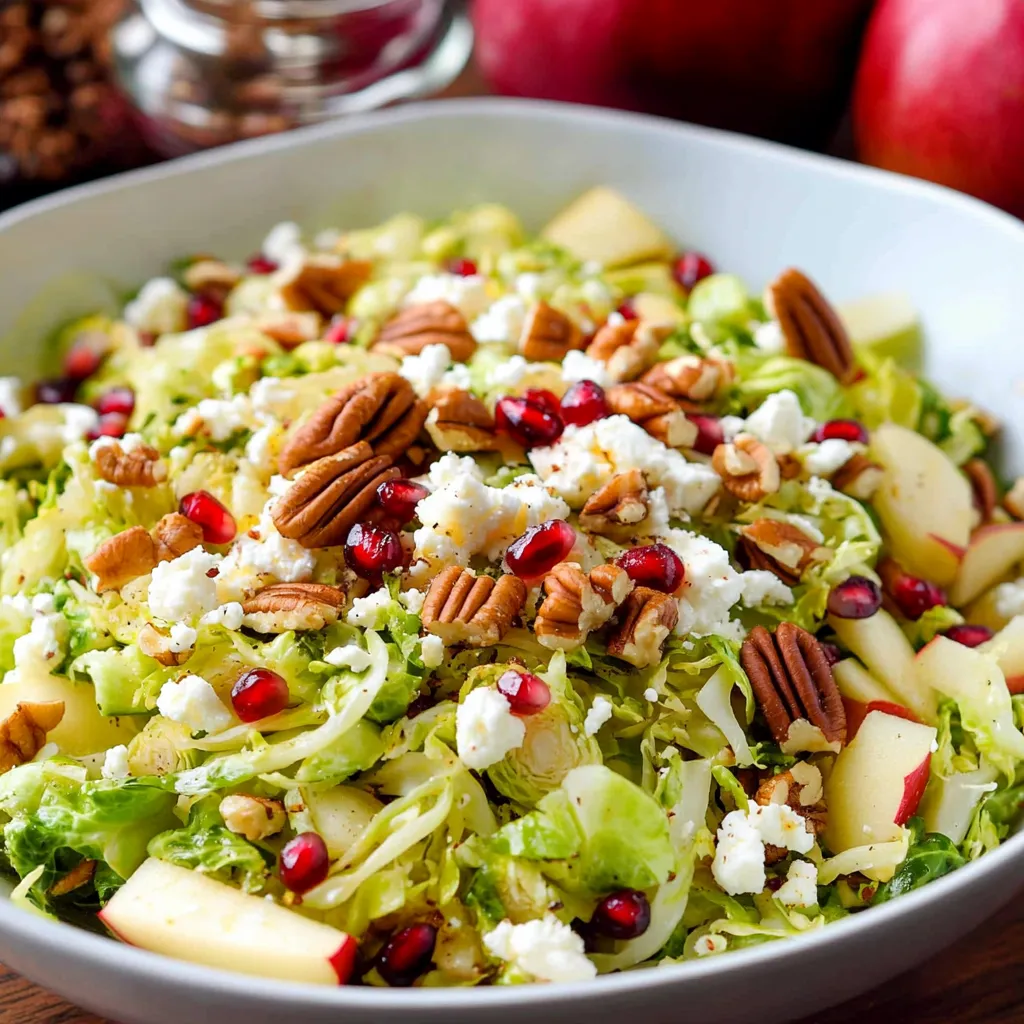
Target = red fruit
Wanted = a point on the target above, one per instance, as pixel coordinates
(855, 598)
(56, 390)
(341, 330)
(120, 400)
(258, 694)
(400, 497)
(692, 267)
(832, 653)
(113, 424)
(856, 712)
(530, 424)
(305, 862)
(407, 954)
(217, 523)
(525, 692)
(259, 264)
(540, 548)
(204, 310)
(371, 551)
(914, 786)
(622, 915)
(969, 635)
(709, 434)
(656, 566)
(462, 267)
(583, 403)
(547, 400)
(84, 357)
(843, 430)
(627, 310)
(914, 596)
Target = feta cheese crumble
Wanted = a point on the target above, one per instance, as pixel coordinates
(599, 713)
(485, 728)
(426, 370)
(228, 615)
(350, 656)
(501, 323)
(738, 866)
(181, 590)
(432, 651)
(577, 366)
(651, 694)
(115, 763)
(365, 612)
(412, 600)
(801, 886)
(183, 638)
(763, 587)
(780, 422)
(831, 454)
(546, 949)
(159, 308)
(193, 702)
(467, 294)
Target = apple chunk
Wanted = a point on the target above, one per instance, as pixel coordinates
(877, 781)
(1007, 647)
(993, 550)
(924, 503)
(183, 914)
(857, 684)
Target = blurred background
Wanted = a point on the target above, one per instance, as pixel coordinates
(933, 88)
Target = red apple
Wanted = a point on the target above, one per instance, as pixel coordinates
(913, 789)
(940, 95)
(778, 69)
(856, 712)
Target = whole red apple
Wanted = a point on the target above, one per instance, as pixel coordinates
(940, 95)
(778, 68)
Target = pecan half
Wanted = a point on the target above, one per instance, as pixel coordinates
(615, 509)
(575, 604)
(284, 606)
(652, 409)
(211, 277)
(858, 477)
(331, 496)
(747, 467)
(175, 535)
(461, 607)
(792, 681)
(690, 377)
(628, 348)
(781, 548)
(289, 330)
(646, 618)
(156, 644)
(122, 558)
(380, 408)
(811, 327)
(983, 484)
(23, 732)
(1014, 500)
(547, 334)
(140, 467)
(801, 789)
(410, 330)
(460, 422)
(81, 874)
(254, 817)
(324, 284)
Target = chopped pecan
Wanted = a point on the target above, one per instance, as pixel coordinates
(801, 789)
(1014, 500)
(574, 603)
(548, 334)
(331, 496)
(628, 348)
(380, 408)
(790, 467)
(81, 874)
(324, 284)
(983, 484)
(412, 329)
(646, 618)
(615, 509)
(792, 681)
(289, 330)
(122, 558)
(858, 477)
(461, 607)
(139, 467)
(23, 732)
(175, 535)
(811, 327)
(156, 644)
(254, 817)
(460, 422)
(747, 467)
(211, 277)
(690, 377)
(781, 548)
(652, 409)
(284, 606)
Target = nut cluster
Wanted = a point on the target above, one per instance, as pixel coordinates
(461, 607)
(137, 551)
(628, 348)
(23, 732)
(576, 603)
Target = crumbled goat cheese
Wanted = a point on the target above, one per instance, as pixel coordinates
(283, 243)
(599, 713)
(831, 454)
(546, 949)
(271, 396)
(508, 374)
(432, 651)
(763, 587)
(651, 694)
(801, 886)
(159, 308)
(712, 588)
(40, 649)
(262, 448)
(350, 656)
(502, 322)
(738, 866)
(217, 417)
(115, 763)
(426, 370)
(181, 590)
(183, 638)
(768, 337)
(266, 553)
(228, 615)
(485, 728)
(467, 294)
(578, 366)
(366, 611)
(193, 702)
(780, 423)
(412, 600)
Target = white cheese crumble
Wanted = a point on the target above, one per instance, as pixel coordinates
(426, 370)
(577, 366)
(831, 454)
(710, 944)
(1009, 599)
(508, 374)
(115, 763)
(467, 294)
(228, 615)
(651, 694)
(501, 323)
(11, 390)
(180, 590)
(801, 886)
(412, 600)
(41, 648)
(599, 713)
(159, 308)
(738, 866)
(763, 587)
(546, 949)
(350, 656)
(712, 586)
(217, 417)
(366, 611)
(432, 651)
(780, 423)
(485, 728)
(193, 702)
(283, 243)
(768, 337)
(261, 449)
(183, 638)
(271, 396)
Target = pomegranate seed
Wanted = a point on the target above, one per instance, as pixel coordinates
(84, 357)
(525, 692)
(305, 862)
(540, 548)
(709, 434)
(547, 400)
(655, 565)
(259, 264)
(583, 403)
(372, 550)
(622, 915)
(205, 510)
(530, 424)
(340, 330)
(407, 954)
(400, 497)
(692, 267)
(258, 694)
(120, 400)
(855, 598)
(204, 310)
(111, 424)
(914, 596)
(56, 390)
(969, 635)
(831, 651)
(462, 267)
(841, 430)
(627, 310)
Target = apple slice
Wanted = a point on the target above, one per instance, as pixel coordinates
(857, 712)
(886, 326)
(991, 554)
(985, 611)
(877, 781)
(924, 503)
(857, 684)
(1007, 646)
(880, 643)
(186, 915)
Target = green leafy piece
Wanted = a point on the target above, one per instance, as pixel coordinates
(930, 856)
(760, 376)
(127, 682)
(720, 297)
(934, 621)
(355, 751)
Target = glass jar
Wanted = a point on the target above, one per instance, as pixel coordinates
(201, 73)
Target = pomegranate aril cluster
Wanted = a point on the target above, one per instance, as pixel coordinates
(400, 497)
(622, 915)
(841, 430)
(532, 422)
(204, 310)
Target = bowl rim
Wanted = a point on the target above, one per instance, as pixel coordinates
(98, 951)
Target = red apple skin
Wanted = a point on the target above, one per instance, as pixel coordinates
(940, 95)
(1015, 684)
(780, 69)
(913, 789)
(856, 712)
(344, 960)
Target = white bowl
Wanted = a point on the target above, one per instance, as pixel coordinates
(755, 208)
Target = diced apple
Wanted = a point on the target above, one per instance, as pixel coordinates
(603, 226)
(880, 643)
(341, 815)
(924, 503)
(658, 309)
(186, 915)
(1007, 646)
(857, 712)
(857, 684)
(950, 803)
(877, 781)
(886, 325)
(993, 550)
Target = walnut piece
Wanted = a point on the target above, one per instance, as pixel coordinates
(122, 558)
(175, 535)
(801, 789)
(575, 604)
(156, 644)
(289, 329)
(81, 874)
(629, 348)
(23, 732)
(646, 618)
(254, 817)
(140, 467)
(461, 607)
(460, 422)
(547, 334)
(324, 284)
(858, 477)
(781, 548)
(211, 277)
(652, 409)
(747, 467)
(411, 330)
(285, 606)
(691, 378)
(615, 509)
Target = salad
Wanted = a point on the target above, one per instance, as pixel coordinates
(435, 604)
